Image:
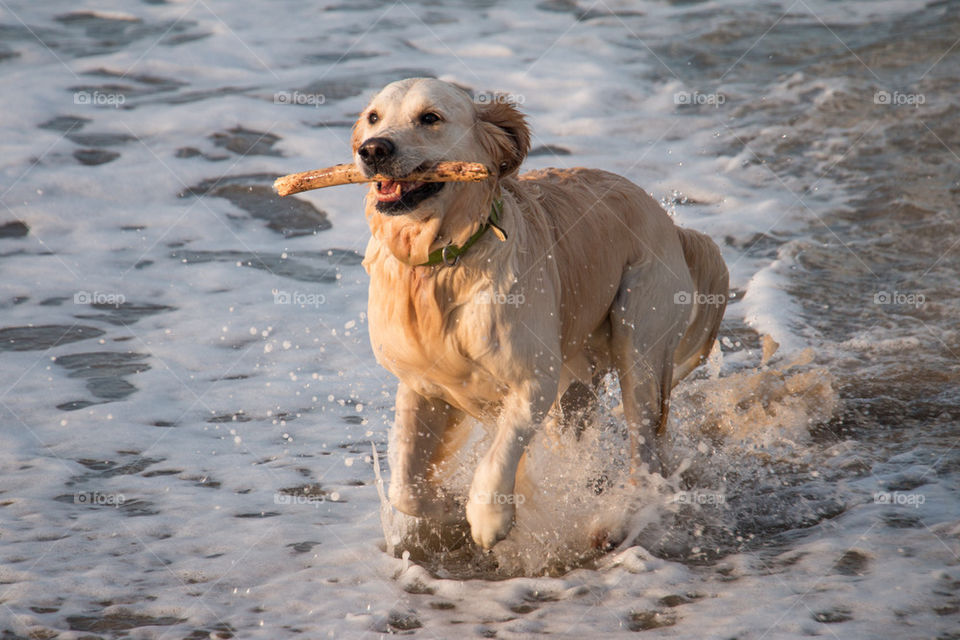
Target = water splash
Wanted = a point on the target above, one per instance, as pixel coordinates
(576, 500)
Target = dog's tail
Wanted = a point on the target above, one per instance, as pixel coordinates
(708, 300)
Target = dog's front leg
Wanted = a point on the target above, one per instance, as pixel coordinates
(492, 503)
(420, 433)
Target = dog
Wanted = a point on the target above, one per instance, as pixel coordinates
(508, 300)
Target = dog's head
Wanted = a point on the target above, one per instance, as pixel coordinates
(413, 124)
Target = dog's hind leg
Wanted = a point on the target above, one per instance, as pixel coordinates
(646, 325)
(420, 439)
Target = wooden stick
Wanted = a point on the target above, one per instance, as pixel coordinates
(349, 174)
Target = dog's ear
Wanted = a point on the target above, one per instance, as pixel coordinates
(355, 140)
(504, 133)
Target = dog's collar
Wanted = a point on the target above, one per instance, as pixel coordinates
(450, 254)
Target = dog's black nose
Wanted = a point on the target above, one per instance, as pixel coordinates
(375, 150)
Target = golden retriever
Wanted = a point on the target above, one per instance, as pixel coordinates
(508, 300)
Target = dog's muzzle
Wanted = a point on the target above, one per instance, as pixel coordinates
(377, 153)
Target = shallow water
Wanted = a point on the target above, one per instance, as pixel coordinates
(190, 406)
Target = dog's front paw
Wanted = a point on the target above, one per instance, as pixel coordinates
(490, 520)
(425, 502)
(606, 536)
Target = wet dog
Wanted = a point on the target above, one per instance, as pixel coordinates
(508, 300)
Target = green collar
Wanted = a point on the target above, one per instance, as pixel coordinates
(450, 254)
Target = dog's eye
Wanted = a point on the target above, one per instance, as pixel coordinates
(373, 118)
(429, 118)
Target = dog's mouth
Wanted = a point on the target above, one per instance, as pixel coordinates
(395, 197)
(392, 190)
